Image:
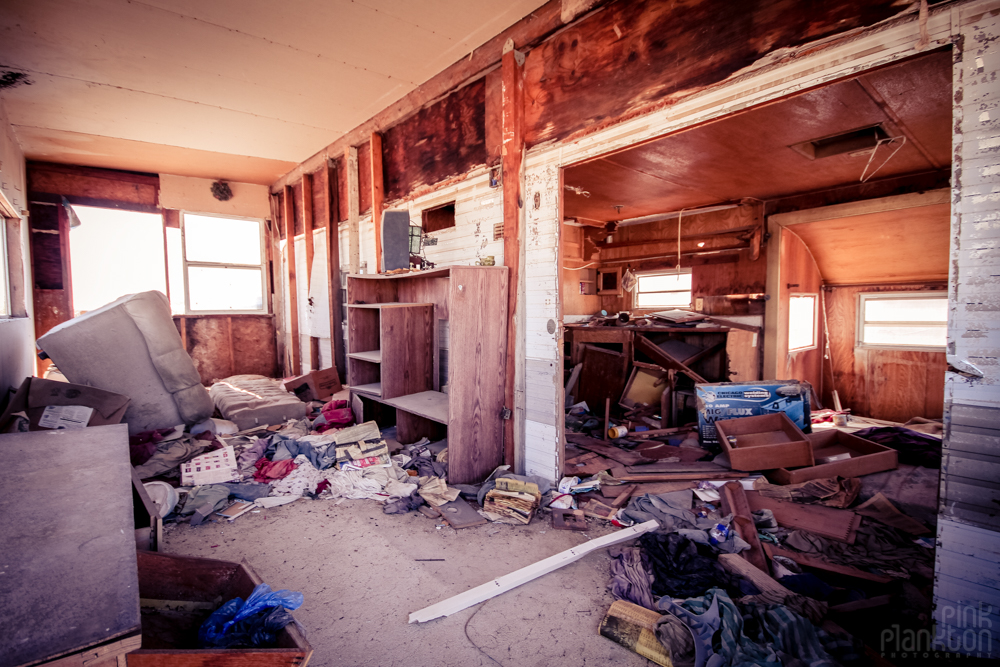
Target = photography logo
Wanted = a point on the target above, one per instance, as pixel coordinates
(960, 631)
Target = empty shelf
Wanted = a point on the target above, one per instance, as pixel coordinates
(375, 388)
(430, 404)
(394, 304)
(375, 356)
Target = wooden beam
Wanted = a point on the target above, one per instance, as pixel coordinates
(510, 581)
(512, 161)
(229, 338)
(313, 353)
(378, 196)
(820, 564)
(333, 269)
(353, 208)
(293, 301)
(307, 226)
(734, 501)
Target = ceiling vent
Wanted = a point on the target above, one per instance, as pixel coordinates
(856, 143)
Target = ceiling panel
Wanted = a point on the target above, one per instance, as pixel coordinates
(749, 154)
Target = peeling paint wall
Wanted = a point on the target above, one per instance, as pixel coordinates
(968, 549)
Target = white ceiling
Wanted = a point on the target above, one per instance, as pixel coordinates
(235, 89)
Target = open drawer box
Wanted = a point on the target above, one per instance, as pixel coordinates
(177, 594)
(764, 442)
(865, 457)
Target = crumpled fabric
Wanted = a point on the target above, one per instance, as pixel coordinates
(630, 580)
(249, 491)
(676, 637)
(203, 500)
(318, 449)
(170, 454)
(673, 512)
(335, 414)
(814, 610)
(142, 446)
(914, 448)
(876, 546)
(351, 484)
(788, 634)
(247, 459)
(679, 570)
(270, 471)
(403, 504)
(303, 479)
(427, 467)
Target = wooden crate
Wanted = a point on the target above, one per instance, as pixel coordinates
(866, 457)
(764, 442)
(167, 638)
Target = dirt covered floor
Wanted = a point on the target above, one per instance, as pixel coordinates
(359, 571)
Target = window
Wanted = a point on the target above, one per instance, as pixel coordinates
(4, 290)
(222, 264)
(663, 289)
(437, 218)
(801, 322)
(914, 320)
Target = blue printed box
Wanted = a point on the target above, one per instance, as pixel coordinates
(729, 400)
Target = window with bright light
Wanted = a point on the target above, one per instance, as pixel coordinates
(912, 320)
(801, 322)
(4, 289)
(222, 260)
(664, 289)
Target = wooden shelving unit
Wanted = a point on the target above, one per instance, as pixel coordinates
(393, 359)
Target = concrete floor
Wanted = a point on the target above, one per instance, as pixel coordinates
(357, 569)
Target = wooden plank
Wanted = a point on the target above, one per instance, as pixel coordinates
(836, 524)
(411, 427)
(510, 581)
(858, 605)
(604, 449)
(374, 356)
(77, 532)
(314, 362)
(573, 377)
(459, 514)
(333, 268)
(816, 563)
(734, 501)
(478, 346)
(307, 226)
(512, 158)
(624, 496)
(353, 209)
(654, 488)
(679, 476)
(295, 362)
(432, 405)
(378, 196)
(661, 358)
(678, 466)
(406, 341)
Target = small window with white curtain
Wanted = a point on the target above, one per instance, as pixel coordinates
(903, 320)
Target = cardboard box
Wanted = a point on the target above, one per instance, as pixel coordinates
(316, 386)
(729, 400)
(866, 457)
(764, 442)
(211, 468)
(61, 405)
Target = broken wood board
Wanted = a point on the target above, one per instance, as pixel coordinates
(734, 564)
(734, 501)
(662, 358)
(459, 514)
(858, 605)
(836, 524)
(655, 488)
(624, 495)
(568, 519)
(598, 510)
(585, 467)
(679, 466)
(511, 581)
(819, 564)
(604, 449)
(881, 509)
(573, 377)
(656, 450)
(634, 627)
(680, 476)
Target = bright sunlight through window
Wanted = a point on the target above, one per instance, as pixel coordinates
(801, 322)
(915, 320)
(663, 290)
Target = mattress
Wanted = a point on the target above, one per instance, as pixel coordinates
(254, 400)
(131, 346)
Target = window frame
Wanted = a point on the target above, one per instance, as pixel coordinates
(859, 326)
(186, 264)
(815, 327)
(663, 272)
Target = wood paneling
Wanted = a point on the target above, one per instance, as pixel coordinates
(902, 245)
(225, 345)
(885, 384)
(798, 275)
(631, 56)
(95, 187)
(365, 178)
(442, 140)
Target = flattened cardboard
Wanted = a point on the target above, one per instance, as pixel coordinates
(764, 442)
(315, 386)
(866, 457)
(35, 394)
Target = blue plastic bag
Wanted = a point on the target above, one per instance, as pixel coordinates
(251, 623)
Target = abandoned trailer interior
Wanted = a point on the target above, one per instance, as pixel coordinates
(533, 333)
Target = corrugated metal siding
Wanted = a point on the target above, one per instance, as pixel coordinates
(967, 567)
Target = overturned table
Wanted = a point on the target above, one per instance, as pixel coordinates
(68, 578)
